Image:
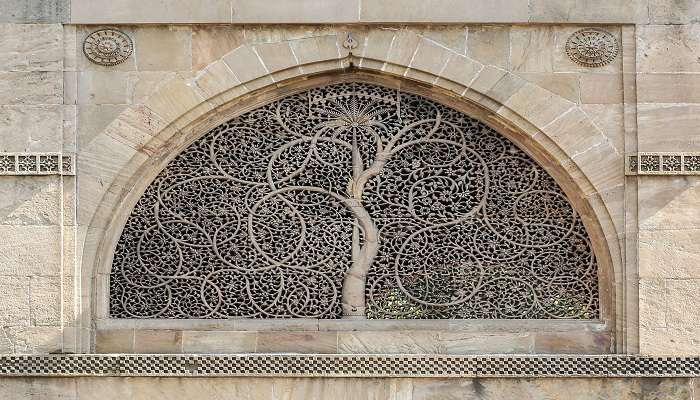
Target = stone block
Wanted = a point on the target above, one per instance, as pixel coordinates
(14, 300)
(609, 118)
(652, 302)
(38, 389)
(537, 105)
(31, 128)
(573, 343)
(26, 47)
(158, 341)
(30, 200)
(31, 87)
(402, 49)
(36, 339)
(218, 342)
(390, 342)
(163, 48)
(114, 341)
(564, 84)
(532, 48)
(484, 343)
(666, 12)
(430, 57)
(94, 118)
(137, 11)
(378, 43)
(445, 389)
(668, 48)
(454, 37)
(34, 11)
(668, 203)
(245, 64)
(668, 88)
(216, 79)
(489, 44)
(45, 300)
(601, 88)
(211, 42)
(668, 127)
(460, 71)
(30, 250)
(174, 99)
(669, 254)
(669, 341)
(682, 310)
(301, 11)
(314, 49)
(277, 57)
(297, 342)
(444, 11)
(589, 11)
(142, 85)
(103, 87)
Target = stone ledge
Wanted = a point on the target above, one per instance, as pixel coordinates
(366, 365)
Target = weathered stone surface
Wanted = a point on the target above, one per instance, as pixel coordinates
(31, 128)
(38, 389)
(31, 88)
(30, 47)
(45, 300)
(532, 49)
(667, 203)
(667, 127)
(219, 342)
(565, 85)
(14, 302)
(673, 253)
(681, 301)
(674, 12)
(161, 49)
(443, 11)
(36, 339)
(668, 88)
(137, 11)
(294, 342)
(30, 250)
(668, 48)
(601, 88)
(302, 11)
(114, 341)
(34, 11)
(30, 200)
(602, 11)
(490, 44)
(652, 303)
(157, 341)
(211, 42)
(367, 342)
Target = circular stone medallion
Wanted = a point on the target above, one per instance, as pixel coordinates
(592, 47)
(108, 47)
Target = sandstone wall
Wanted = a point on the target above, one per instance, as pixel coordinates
(52, 99)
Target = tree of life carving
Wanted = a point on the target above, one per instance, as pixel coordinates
(358, 201)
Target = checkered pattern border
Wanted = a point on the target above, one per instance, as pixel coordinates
(37, 164)
(297, 365)
(663, 164)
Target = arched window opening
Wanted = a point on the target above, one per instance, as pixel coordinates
(359, 201)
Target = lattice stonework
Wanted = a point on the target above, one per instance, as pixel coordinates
(353, 200)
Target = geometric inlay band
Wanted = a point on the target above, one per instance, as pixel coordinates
(37, 164)
(354, 200)
(663, 164)
(294, 365)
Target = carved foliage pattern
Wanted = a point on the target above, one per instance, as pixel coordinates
(272, 214)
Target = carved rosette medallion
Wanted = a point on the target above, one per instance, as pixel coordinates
(108, 47)
(592, 47)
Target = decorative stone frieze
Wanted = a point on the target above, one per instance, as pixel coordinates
(663, 164)
(592, 47)
(294, 365)
(37, 164)
(108, 47)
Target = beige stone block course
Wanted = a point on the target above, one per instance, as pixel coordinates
(301, 11)
(532, 48)
(668, 203)
(681, 303)
(444, 11)
(573, 343)
(45, 300)
(431, 57)
(137, 11)
(601, 88)
(31, 47)
(376, 44)
(14, 301)
(652, 302)
(403, 48)
(211, 42)
(315, 49)
(484, 343)
(669, 254)
(38, 389)
(574, 133)
(103, 87)
(486, 79)
(601, 11)
(141, 85)
(564, 84)
(397, 342)
(31, 88)
(609, 118)
(461, 70)
(36, 339)
(603, 165)
(537, 105)
(297, 342)
(157, 341)
(137, 127)
(30, 200)
(668, 48)
(31, 128)
(668, 127)
(163, 48)
(454, 37)
(114, 341)
(245, 64)
(277, 57)
(663, 12)
(93, 119)
(671, 341)
(30, 250)
(218, 342)
(504, 88)
(216, 79)
(174, 99)
(489, 44)
(668, 88)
